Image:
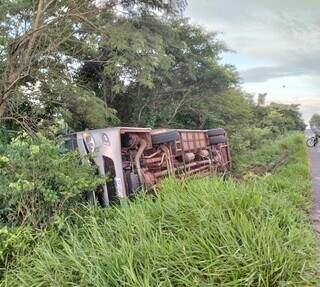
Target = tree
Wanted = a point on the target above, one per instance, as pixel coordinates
(42, 43)
(38, 48)
(262, 99)
(279, 117)
(233, 108)
(315, 121)
(160, 72)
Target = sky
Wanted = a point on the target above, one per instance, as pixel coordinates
(275, 45)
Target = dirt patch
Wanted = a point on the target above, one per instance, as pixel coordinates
(261, 169)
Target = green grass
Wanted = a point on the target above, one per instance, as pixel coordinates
(201, 232)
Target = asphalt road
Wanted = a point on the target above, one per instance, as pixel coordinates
(314, 155)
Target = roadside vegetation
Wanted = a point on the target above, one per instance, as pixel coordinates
(200, 232)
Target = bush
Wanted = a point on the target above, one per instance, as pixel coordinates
(250, 138)
(14, 242)
(37, 182)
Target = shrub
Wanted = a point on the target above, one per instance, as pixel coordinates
(246, 141)
(250, 138)
(37, 182)
(13, 243)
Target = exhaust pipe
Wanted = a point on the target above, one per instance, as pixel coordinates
(142, 147)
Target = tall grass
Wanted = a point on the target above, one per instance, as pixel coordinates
(202, 232)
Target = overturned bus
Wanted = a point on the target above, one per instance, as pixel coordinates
(132, 158)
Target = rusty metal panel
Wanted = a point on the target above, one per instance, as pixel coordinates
(193, 141)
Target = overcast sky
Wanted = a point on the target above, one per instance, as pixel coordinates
(276, 44)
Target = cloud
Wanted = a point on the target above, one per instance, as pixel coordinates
(285, 33)
(292, 63)
(277, 43)
(261, 74)
(265, 73)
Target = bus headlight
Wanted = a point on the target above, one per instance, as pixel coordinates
(88, 139)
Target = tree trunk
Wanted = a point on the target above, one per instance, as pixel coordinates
(19, 58)
(2, 109)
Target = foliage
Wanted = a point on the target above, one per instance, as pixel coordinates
(133, 63)
(180, 75)
(315, 121)
(37, 182)
(262, 99)
(4, 138)
(198, 232)
(264, 123)
(82, 109)
(279, 117)
(44, 42)
(249, 138)
(233, 109)
(14, 242)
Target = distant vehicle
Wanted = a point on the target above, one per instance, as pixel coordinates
(314, 140)
(140, 157)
